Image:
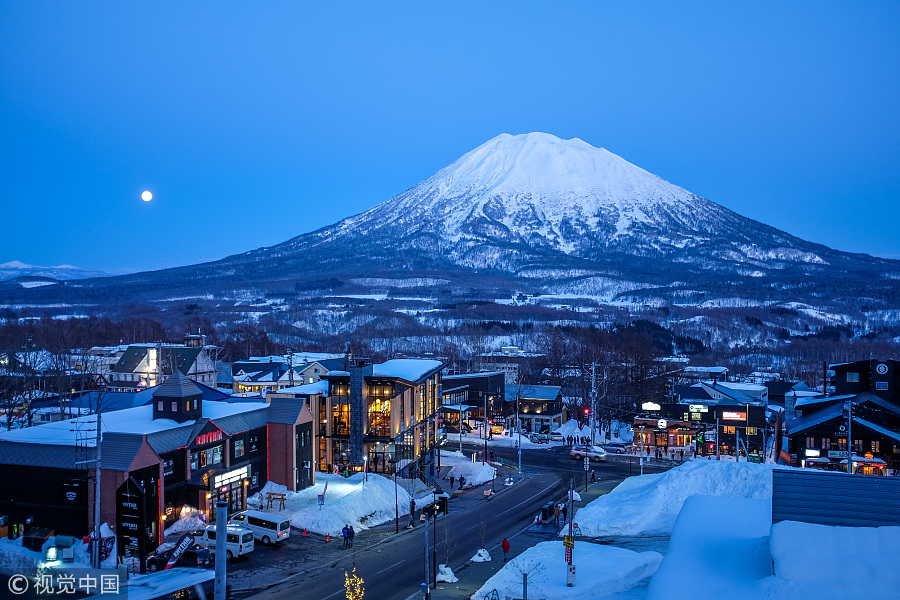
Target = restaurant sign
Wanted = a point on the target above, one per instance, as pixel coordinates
(698, 408)
(208, 438)
(231, 477)
(728, 415)
(838, 454)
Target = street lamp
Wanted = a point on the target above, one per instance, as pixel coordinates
(393, 462)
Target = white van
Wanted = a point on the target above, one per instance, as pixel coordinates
(266, 528)
(238, 542)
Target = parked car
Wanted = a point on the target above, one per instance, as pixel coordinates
(615, 448)
(238, 542)
(266, 528)
(556, 437)
(539, 438)
(197, 556)
(591, 452)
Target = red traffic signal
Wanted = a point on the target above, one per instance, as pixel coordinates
(587, 411)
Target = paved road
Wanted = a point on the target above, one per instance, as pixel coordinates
(393, 566)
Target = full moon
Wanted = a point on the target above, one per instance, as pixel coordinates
(146, 196)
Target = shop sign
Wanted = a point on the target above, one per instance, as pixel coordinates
(812, 453)
(208, 438)
(230, 477)
(698, 408)
(662, 424)
(838, 454)
(568, 541)
(728, 415)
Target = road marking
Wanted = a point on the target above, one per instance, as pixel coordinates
(543, 491)
(390, 567)
(334, 594)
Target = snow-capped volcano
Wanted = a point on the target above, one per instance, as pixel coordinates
(533, 201)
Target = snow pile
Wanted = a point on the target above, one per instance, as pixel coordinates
(14, 557)
(191, 519)
(624, 436)
(736, 561)
(446, 575)
(724, 558)
(481, 556)
(840, 552)
(456, 464)
(348, 501)
(649, 504)
(571, 427)
(600, 572)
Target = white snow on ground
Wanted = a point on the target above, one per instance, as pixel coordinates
(736, 561)
(600, 571)
(456, 464)
(649, 504)
(446, 575)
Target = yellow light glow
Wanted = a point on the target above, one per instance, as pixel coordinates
(146, 196)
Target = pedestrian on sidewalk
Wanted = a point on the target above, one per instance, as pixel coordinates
(351, 534)
(681, 454)
(505, 547)
(452, 479)
(556, 514)
(593, 476)
(462, 482)
(346, 533)
(492, 456)
(565, 511)
(412, 513)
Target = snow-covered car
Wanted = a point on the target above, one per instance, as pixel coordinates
(539, 438)
(591, 452)
(556, 437)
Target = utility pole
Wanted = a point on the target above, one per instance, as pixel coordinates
(95, 543)
(718, 441)
(850, 436)
(485, 430)
(570, 567)
(642, 449)
(427, 585)
(291, 366)
(221, 549)
(593, 397)
(519, 429)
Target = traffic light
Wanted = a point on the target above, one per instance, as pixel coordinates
(490, 421)
(700, 437)
(587, 411)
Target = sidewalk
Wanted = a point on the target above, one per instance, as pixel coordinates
(472, 575)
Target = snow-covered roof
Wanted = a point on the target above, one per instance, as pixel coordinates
(467, 375)
(410, 369)
(137, 420)
(319, 387)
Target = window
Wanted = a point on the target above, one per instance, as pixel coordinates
(195, 404)
(175, 406)
(852, 377)
(195, 461)
(826, 443)
(857, 445)
(842, 443)
(187, 406)
(238, 448)
(752, 431)
(159, 406)
(876, 446)
(728, 429)
(810, 442)
(881, 385)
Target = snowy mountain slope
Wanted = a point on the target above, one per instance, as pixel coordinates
(525, 213)
(9, 270)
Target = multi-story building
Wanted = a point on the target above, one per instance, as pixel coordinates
(179, 451)
(145, 365)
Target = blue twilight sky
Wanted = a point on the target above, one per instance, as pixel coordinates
(254, 122)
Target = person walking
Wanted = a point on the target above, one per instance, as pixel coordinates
(346, 533)
(462, 482)
(452, 479)
(593, 476)
(492, 456)
(412, 513)
(565, 511)
(505, 546)
(350, 535)
(556, 514)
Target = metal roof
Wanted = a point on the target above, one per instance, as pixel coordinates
(177, 385)
(286, 410)
(532, 392)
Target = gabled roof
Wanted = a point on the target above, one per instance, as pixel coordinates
(182, 357)
(118, 450)
(413, 370)
(287, 410)
(473, 375)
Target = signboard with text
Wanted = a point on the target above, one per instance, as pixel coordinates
(728, 415)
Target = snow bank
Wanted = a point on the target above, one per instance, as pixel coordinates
(735, 559)
(649, 504)
(624, 436)
(456, 464)
(729, 556)
(841, 554)
(600, 571)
